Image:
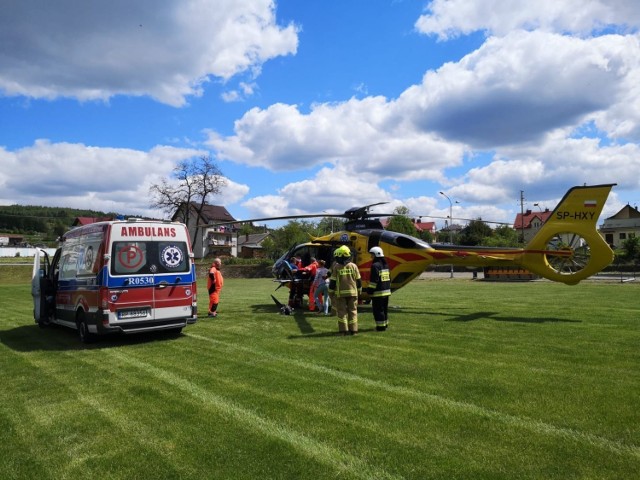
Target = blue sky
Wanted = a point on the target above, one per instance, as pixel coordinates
(321, 105)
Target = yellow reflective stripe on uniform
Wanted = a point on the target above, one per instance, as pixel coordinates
(381, 293)
(350, 290)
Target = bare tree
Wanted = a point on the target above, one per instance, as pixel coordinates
(185, 194)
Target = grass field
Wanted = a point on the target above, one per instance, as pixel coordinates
(472, 380)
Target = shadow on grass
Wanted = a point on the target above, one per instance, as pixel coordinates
(32, 338)
(470, 317)
(473, 316)
(333, 334)
(265, 308)
(299, 315)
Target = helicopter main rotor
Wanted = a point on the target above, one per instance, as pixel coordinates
(352, 215)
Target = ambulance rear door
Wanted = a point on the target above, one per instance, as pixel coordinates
(174, 278)
(150, 273)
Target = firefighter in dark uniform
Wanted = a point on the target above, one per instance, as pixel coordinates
(379, 288)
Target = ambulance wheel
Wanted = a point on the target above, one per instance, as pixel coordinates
(83, 330)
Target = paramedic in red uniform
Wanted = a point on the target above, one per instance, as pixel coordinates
(310, 271)
(214, 285)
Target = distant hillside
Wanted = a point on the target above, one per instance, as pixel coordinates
(47, 222)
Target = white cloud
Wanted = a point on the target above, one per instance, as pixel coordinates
(331, 190)
(526, 92)
(231, 193)
(166, 49)
(519, 87)
(244, 91)
(268, 206)
(368, 136)
(80, 176)
(545, 170)
(451, 18)
(520, 99)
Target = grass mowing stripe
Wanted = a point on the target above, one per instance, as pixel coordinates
(143, 436)
(318, 451)
(325, 414)
(400, 437)
(521, 422)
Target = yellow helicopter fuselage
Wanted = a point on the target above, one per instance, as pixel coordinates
(566, 249)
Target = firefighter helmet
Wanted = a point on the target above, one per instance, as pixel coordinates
(342, 251)
(376, 252)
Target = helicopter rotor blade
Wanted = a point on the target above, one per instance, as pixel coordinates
(351, 214)
(267, 219)
(460, 218)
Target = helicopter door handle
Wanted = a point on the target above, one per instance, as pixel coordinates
(163, 284)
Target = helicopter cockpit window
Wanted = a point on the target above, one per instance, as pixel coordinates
(403, 241)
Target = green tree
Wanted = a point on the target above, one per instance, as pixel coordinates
(293, 233)
(327, 225)
(502, 236)
(58, 230)
(401, 222)
(426, 235)
(270, 249)
(631, 249)
(475, 232)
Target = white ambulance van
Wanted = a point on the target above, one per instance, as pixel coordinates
(125, 276)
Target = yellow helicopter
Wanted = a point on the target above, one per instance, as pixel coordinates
(566, 249)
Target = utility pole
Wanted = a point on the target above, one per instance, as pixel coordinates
(522, 215)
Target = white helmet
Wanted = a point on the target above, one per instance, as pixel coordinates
(376, 252)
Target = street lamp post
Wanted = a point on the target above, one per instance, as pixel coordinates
(450, 223)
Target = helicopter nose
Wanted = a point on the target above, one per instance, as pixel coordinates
(275, 270)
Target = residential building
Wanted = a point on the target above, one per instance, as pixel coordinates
(10, 240)
(250, 245)
(424, 226)
(448, 234)
(418, 223)
(207, 237)
(82, 221)
(528, 223)
(621, 226)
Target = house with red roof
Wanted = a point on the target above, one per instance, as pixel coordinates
(82, 221)
(418, 223)
(528, 223)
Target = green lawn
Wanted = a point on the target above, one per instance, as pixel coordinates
(472, 380)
